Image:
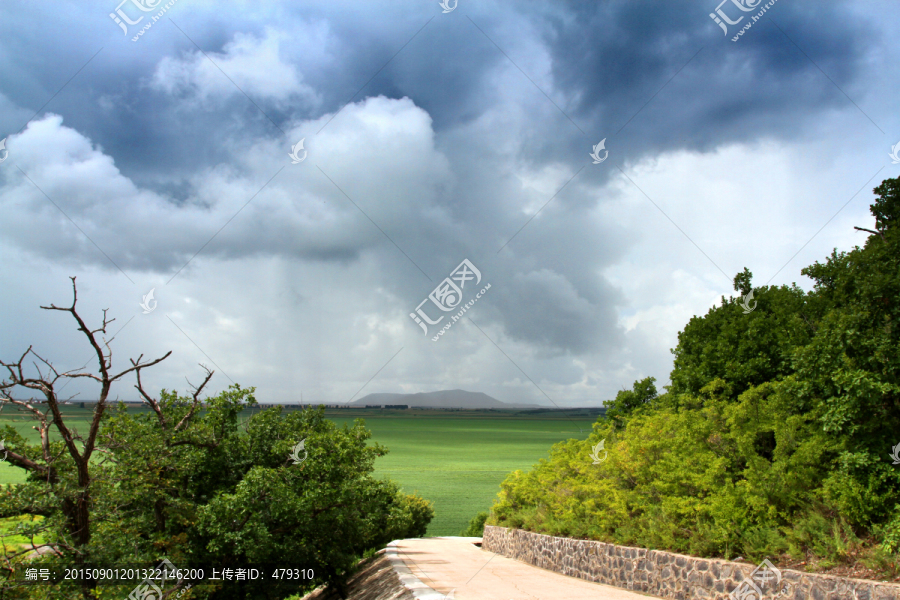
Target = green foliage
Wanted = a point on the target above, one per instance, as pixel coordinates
(20, 532)
(459, 459)
(830, 540)
(743, 282)
(890, 534)
(217, 491)
(476, 525)
(773, 436)
(643, 393)
(743, 350)
(886, 209)
(417, 514)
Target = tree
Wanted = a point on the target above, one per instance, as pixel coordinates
(743, 282)
(643, 393)
(230, 492)
(850, 372)
(197, 482)
(740, 348)
(70, 484)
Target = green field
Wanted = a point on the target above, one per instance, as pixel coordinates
(456, 459)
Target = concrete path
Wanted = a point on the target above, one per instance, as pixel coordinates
(454, 568)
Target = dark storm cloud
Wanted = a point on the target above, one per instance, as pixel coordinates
(610, 59)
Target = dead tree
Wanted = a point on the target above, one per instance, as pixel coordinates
(75, 507)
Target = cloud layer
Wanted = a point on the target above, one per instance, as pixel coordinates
(430, 138)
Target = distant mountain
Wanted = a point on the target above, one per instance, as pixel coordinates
(442, 399)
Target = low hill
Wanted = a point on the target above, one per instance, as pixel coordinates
(441, 399)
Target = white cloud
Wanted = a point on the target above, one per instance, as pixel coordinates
(393, 177)
(256, 66)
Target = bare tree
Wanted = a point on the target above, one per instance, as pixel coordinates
(154, 403)
(75, 507)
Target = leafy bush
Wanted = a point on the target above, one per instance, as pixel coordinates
(476, 525)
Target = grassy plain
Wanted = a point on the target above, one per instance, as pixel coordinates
(456, 459)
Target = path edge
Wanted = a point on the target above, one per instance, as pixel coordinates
(410, 581)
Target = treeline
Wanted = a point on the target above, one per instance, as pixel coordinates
(775, 437)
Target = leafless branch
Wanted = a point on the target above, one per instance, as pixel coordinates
(881, 233)
(154, 404)
(76, 510)
(24, 462)
(197, 391)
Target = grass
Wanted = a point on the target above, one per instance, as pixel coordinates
(11, 540)
(456, 459)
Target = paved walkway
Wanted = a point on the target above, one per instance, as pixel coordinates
(454, 568)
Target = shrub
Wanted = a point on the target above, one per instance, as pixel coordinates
(476, 526)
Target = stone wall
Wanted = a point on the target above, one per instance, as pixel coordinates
(376, 578)
(670, 575)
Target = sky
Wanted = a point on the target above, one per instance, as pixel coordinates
(564, 184)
